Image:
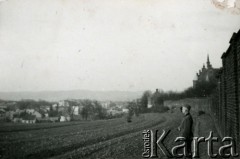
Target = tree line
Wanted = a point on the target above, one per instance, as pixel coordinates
(202, 89)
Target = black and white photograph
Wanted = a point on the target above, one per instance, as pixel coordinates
(119, 79)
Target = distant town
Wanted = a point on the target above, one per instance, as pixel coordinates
(31, 111)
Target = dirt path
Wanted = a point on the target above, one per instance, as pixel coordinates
(204, 126)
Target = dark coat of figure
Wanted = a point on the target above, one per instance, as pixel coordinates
(186, 128)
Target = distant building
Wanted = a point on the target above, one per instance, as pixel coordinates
(17, 120)
(45, 108)
(105, 104)
(64, 118)
(156, 99)
(26, 118)
(63, 103)
(28, 121)
(206, 74)
(54, 119)
(18, 111)
(54, 106)
(30, 111)
(125, 110)
(149, 105)
(114, 111)
(37, 114)
(2, 112)
(46, 115)
(75, 110)
(9, 115)
(3, 107)
(34, 112)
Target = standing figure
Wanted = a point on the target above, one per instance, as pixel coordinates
(186, 129)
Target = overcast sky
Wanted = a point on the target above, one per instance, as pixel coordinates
(127, 45)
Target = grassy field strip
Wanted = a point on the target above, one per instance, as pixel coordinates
(23, 127)
(81, 126)
(51, 134)
(15, 127)
(79, 130)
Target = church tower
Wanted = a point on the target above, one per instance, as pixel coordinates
(208, 62)
(206, 74)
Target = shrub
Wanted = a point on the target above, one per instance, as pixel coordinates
(201, 112)
(129, 118)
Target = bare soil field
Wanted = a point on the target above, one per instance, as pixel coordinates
(115, 138)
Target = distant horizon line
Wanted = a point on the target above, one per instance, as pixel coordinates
(89, 90)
